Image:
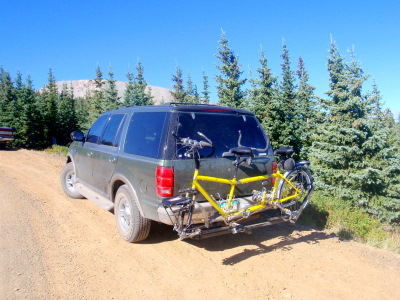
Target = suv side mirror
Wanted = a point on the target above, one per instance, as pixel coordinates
(77, 136)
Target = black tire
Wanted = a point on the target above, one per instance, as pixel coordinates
(130, 223)
(301, 179)
(67, 181)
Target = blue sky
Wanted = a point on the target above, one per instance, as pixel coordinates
(72, 37)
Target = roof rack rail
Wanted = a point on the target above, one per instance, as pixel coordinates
(185, 103)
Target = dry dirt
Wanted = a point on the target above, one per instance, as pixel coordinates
(54, 247)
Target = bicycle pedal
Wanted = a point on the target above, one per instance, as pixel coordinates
(288, 204)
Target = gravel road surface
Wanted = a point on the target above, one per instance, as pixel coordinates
(54, 247)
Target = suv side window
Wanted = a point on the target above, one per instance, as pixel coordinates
(96, 129)
(144, 134)
(112, 132)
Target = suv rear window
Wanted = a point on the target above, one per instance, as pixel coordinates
(144, 134)
(222, 129)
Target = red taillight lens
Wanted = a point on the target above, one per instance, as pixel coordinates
(274, 169)
(165, 181)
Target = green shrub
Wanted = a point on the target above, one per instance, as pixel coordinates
(349, 223)
(56, 149)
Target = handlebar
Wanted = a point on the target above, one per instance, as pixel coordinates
(252, 148)
(194, 143)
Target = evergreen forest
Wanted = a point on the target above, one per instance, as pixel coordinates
(353, 143)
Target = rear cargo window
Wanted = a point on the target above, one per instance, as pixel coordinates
(222, 129)
(144, 134)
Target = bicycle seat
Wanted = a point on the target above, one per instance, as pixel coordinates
(286, 151)
(241, 151)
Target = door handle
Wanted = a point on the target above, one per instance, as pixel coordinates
(112, 159)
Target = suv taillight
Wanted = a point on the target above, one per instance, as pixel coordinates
(165, 181)
(274, 169)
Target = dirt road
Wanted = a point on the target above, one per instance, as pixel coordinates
(54, 247)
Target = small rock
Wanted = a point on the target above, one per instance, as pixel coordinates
(287, 295)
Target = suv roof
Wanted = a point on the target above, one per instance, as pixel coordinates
(175, 106)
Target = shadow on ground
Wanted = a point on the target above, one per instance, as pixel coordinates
(160, 233)
(9, 149)
(287, 235)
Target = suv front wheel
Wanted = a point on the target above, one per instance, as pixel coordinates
(68, 181)
(131, 225)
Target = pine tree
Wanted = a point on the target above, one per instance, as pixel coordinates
(96, 99)
(29, 129)
(179, 92)
(205, 92)
(17, 109)
(286, 107)
(336, 147)
(307, 115)
(229, 83)
(352, 158)
(110, 100)
(137, 92)
(67, 121)
(48, 108)
(192, 96)
(7, 98)
(382, 160)
(262, 100)
(81, 112)
(129, 90)
(143, 92)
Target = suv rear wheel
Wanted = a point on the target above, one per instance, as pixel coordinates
(131, 225)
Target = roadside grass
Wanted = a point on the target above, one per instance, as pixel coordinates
(56, 149)
(350, 223)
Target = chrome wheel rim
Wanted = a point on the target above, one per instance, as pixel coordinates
(70, 181)
(125, 214)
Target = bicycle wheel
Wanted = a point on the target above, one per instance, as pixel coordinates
(301, 179)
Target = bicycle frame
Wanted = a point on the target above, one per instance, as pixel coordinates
(233, 183)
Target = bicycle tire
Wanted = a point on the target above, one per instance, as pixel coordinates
(301, 178)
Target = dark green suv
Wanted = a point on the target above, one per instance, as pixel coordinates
(129, 161)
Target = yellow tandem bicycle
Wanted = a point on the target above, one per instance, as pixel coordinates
(290, 194)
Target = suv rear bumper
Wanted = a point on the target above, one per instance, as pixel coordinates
(201, 211)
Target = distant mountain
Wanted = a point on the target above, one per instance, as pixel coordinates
(82, 87)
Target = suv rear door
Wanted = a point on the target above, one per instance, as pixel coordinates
(105, 154)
